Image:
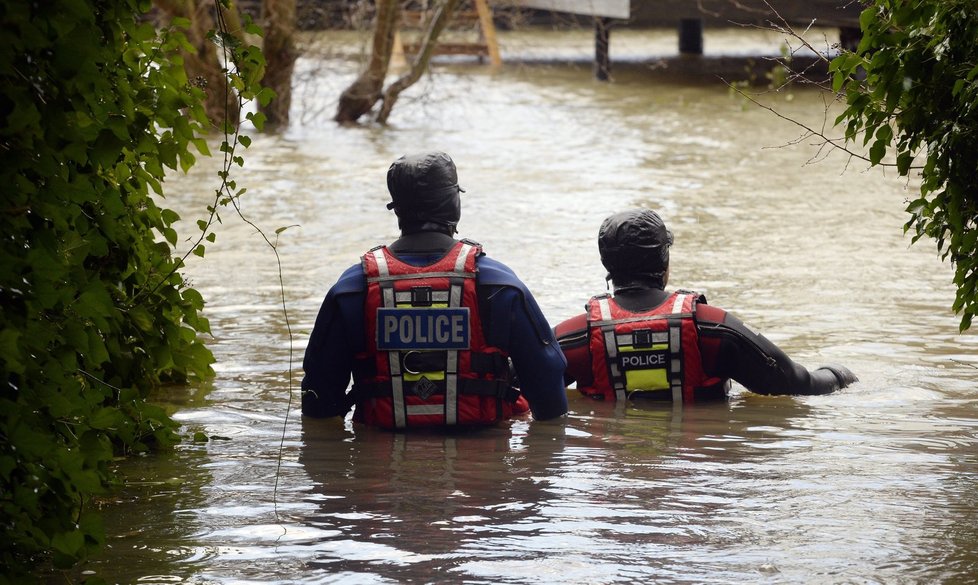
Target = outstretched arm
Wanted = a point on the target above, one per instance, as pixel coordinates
(730, 349)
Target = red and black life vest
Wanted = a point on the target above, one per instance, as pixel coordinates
(427, 362)
(655, 353)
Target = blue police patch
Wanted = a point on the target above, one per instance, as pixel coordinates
(422, 329)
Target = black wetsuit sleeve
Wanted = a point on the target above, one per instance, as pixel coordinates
(730, 349)
(328, 361)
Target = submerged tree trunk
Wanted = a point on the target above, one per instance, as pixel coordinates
(278, 21)
(362, 94)
(440, 18)
(204, 67)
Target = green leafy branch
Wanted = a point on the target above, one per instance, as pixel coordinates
(910, 90)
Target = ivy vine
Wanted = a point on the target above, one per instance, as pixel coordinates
(96, 110)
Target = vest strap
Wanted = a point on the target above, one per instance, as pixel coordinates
(494, 364)
(493, 388)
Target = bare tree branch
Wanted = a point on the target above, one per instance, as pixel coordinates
(440, 17)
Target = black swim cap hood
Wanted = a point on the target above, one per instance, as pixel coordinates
(634, 245)
(424, 190)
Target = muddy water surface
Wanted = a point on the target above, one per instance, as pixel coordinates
(875, 483)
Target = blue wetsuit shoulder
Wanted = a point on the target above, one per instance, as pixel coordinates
(351, 281)
(494, 272)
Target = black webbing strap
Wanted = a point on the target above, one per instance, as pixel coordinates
(494, 388)
(490, 363)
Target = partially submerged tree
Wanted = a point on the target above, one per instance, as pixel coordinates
(440, 17)
(358, 99)
(368, 89)
(278, 22)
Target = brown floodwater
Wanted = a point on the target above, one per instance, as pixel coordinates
(875, 483)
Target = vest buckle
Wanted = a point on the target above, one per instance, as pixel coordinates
(641, 338)
(421, 296)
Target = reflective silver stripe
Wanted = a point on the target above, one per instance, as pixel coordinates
(382, 268)
(451, 388)
(677, 394)
(610, 347)
(675, 338)
(677, 306)
(611, 350)
(388, 294)
(657, 337)
(438, 296)
(606, 322)
(605, 310)
(451, 398)
(397, 402)
(416, 409)
(420, 275)
(676, 365)
(455, 298)
(463, 255)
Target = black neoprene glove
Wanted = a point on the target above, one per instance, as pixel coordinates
(842, 373)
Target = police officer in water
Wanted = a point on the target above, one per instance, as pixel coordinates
(643, 341)
(431, 328)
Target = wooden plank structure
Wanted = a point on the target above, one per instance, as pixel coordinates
(688, 15)
(485, 46)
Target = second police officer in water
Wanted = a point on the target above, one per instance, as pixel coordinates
(643, 341)
(429, 325)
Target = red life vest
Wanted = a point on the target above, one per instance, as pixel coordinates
(427, 362)
(654, 352)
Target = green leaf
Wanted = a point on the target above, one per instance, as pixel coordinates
(877, 151)
(10, 350)
(105, 418)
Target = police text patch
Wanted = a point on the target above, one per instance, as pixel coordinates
(644, 360)
(422, 329)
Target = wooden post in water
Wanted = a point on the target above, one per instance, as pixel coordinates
(690, 36)
(849, 37)
(602, 35)
(488, 32)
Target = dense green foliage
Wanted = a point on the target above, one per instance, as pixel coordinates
(96, 109)
(911, 89)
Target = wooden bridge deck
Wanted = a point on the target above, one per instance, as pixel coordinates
(692, 16)
(642, 13)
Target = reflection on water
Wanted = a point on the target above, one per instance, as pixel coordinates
(874, 483)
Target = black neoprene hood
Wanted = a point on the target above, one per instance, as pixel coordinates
(424, 189)
(634, 243)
